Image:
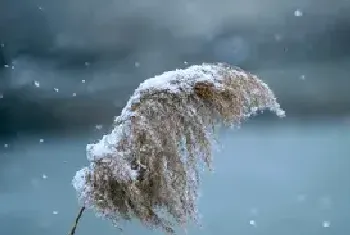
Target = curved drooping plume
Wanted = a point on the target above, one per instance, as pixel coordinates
(148, 167)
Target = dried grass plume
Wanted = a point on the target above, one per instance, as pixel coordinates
(148, 167)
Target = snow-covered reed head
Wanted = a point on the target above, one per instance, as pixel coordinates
(148, 167)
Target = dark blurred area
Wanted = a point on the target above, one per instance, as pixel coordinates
(67, 64)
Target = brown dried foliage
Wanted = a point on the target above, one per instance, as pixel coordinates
(169, 140)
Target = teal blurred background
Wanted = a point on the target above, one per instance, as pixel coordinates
(278, 177)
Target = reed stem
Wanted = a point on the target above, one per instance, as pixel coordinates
(82, 209)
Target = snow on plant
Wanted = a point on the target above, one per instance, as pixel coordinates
(149, 166)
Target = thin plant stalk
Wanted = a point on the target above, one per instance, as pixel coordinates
(82, 209)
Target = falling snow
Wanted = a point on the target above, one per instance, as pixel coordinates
(36, 84)
(298, 13)
(252, 223)
(326, 224)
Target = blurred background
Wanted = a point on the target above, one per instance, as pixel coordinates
(68, 67)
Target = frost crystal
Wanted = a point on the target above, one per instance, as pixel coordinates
(149, 166)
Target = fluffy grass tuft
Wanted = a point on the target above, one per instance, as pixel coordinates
(149, 166)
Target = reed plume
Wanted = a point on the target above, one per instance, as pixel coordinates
(149, 166)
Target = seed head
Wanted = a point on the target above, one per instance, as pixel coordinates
(149, 166)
